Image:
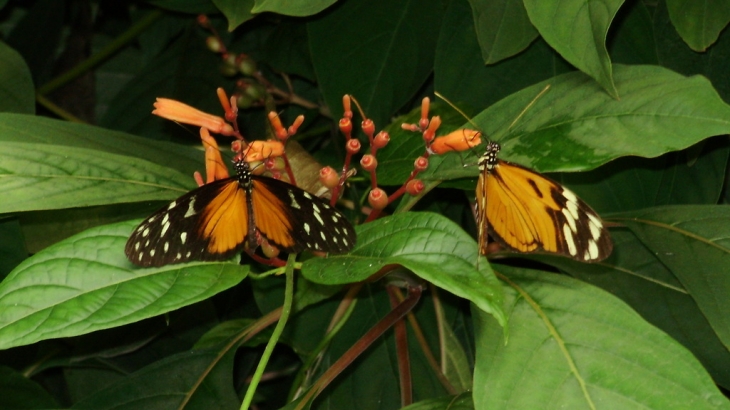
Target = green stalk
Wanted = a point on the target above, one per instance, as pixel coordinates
(286, 310)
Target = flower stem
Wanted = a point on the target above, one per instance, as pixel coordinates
(286, 310)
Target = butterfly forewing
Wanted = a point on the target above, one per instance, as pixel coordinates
(217, 220)
(526, 211)
(189, 228)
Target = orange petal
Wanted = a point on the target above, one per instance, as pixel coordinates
(177, 111)
(459, 140)
(261, 150)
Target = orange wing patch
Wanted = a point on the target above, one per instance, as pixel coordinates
(272, 216)
(520, 208)
(224, 219)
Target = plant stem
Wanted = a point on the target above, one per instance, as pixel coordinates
(286, 310)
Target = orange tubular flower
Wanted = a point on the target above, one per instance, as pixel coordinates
(459, 140)
(215, 168)
(261, 150)
(177, 111)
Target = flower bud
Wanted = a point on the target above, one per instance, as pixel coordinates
(353, 146)
(368, 162)
(415, 187)
(378, 199)
(420, 164)
(368, 127)
(328, 177)
(214, 44)
(247, 66)
(381, 140)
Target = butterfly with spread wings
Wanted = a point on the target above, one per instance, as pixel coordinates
(528, 212)
(221, 218)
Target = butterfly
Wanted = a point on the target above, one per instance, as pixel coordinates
(528, 212)
(219, 219)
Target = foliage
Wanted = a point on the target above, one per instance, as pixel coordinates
(630, 103)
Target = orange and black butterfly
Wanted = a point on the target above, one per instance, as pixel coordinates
(219, 219)
(527, 212)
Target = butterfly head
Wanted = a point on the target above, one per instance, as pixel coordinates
(489, 159)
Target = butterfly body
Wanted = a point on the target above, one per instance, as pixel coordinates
(528, 212)
(219, 219)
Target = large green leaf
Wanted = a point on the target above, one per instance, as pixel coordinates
(427, 244)
(291, 8)
(699, 23)
(575, 346)
(693, 243)
(634, 274)
(674, 54)
(45, 131)
(460, 73)
(502, 27)
(575, 126)
(20, 392)
(85, 283)
(41, 176)
(577, 30)
(195, 379)
(16, 84)
(460, 402)
(237, 12)
(379, 51)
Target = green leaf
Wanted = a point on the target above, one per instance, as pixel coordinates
(195, 379)
(22, 393)
(693, 243)
(575, 346)
(699, 23)
(460, 402)
(575, 126)
(460, 73)
(393, 50)
(673, 53)
(45, 131)
(85, 283)
(577, 30)
(502, 27)
(41, 176)
(237, 12)
(634, 274)
(17, 93)
(635, 183)
(292, 8)
(427, 244)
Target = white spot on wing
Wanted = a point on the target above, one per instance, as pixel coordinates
(319, 218)
(307, 228)
(569, 240)
(294, 203)
(570, 219)
(167, 246)
(183, 237)
(172, 205)
(191, 208)
(165, 227)
(145, 232)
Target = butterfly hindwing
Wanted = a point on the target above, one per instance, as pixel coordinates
(208, 223)
(304, 221)
(528, 212)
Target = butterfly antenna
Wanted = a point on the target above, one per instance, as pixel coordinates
(457, 109)
(528, 106)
